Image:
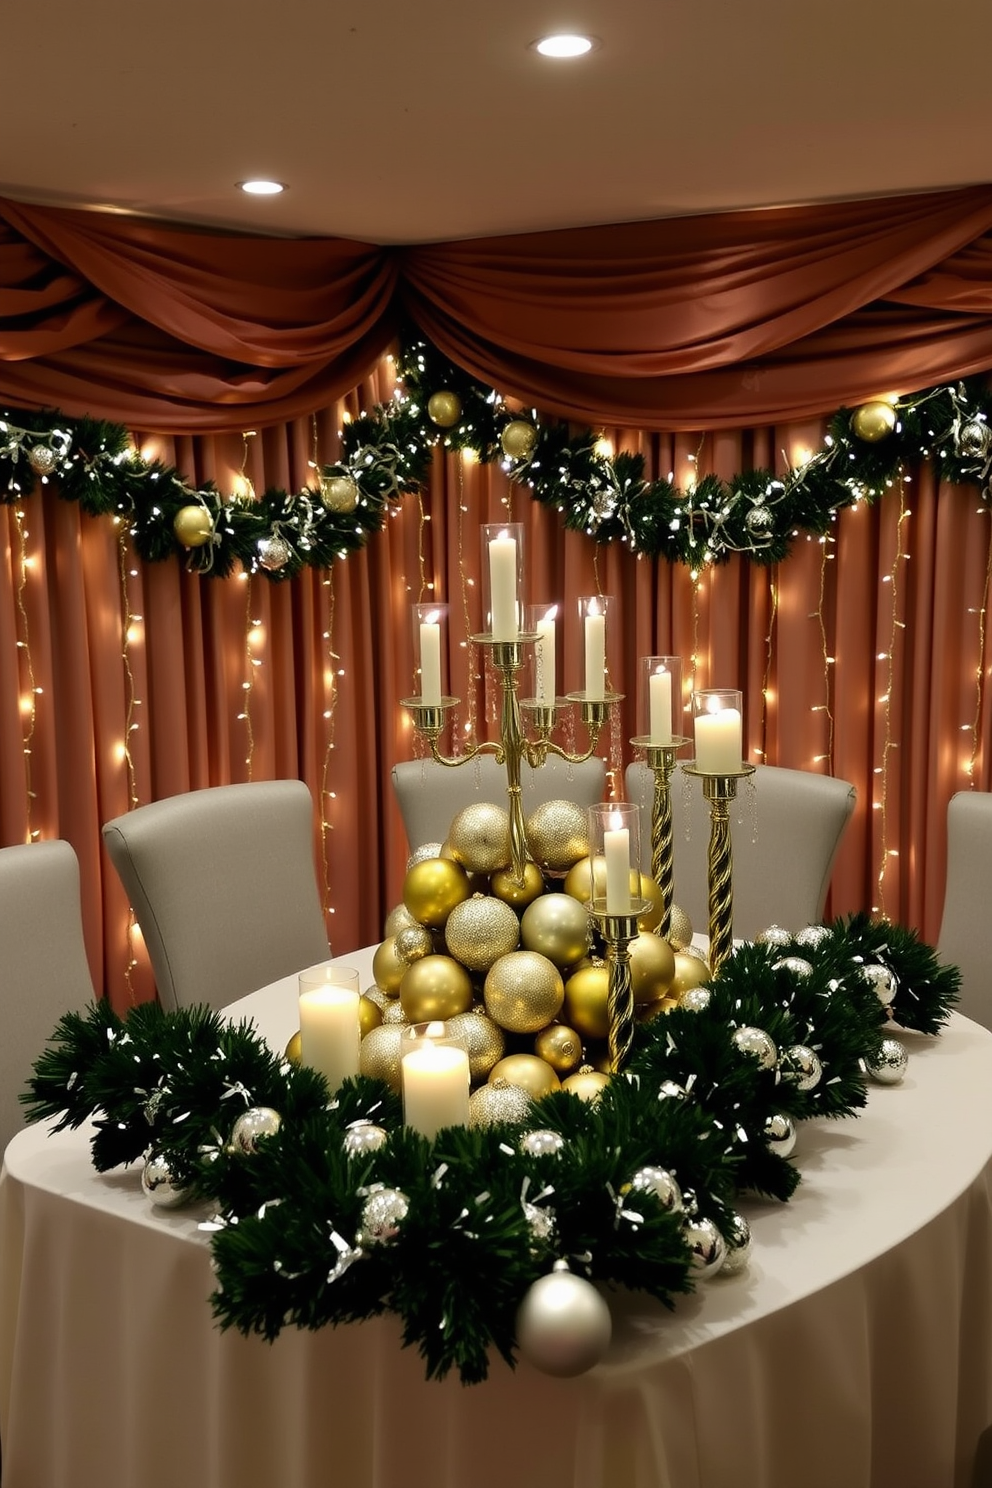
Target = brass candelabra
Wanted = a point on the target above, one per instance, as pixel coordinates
(719, 789)
(660, 759)
(618, 932)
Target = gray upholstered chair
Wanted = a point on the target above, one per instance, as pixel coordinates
(965, 938)
(785, 839)
(430, 795)
(43, 968)
(223, 886)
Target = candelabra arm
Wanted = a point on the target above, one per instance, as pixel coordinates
(452, 761)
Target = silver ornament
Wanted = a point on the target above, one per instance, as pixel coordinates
(670, 1090)
(812, 936)
(890, 1065)
(696, 1000)
(384, 1212)
(884, 982)
(738, 1246)
(795, 965)
(973, 439)
(780, 1134)
(542, 1143)
(801, 1066)
(758, 520)
(707, 1247)
(252, 1125)
(43, 461)
(563, 1324)
(773, 936)
(273, 553)
(540, 1222)
(659, 1183)
(690, 1206)
(158, 1184)
(757, 1044)
(424, 854)
(363, 1138)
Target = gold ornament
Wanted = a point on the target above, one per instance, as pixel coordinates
(504, 886)
(558, 926)
(432, 889)
(518, 439)
(434, 989)
(485, 1041)
(444, 409)
(377, 996)
(398, 918)
(577, 883)
(379, 1056)
(42, 459)
(651, 918)
(388, 967)
(586, 994)
(523, 991)
(479, 837)
(874, 421)
(294, 1049)
(588, 1085)
(393, 1012)
(679, 929)
(339, 493)
(528, 1072)
(645, 1011)
(557, 835)
(481, 930)
(559, 1046)
(502, 1102)
(413, 942)
(652, 967)
(425, 851)
(690, 971)
(193, 526)
(369, 1013)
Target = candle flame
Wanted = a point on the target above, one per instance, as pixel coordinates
(433, 617)
(594, 608)
(616, 821)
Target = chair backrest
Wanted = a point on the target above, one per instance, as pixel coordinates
(430, 795)
(223, 886)
(965, 938)
(785, 839)
(43, 968)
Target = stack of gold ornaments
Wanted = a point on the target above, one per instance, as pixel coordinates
(514, 966)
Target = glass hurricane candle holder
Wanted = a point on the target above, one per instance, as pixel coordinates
(330, 1032)
(502, 579)
(614, 866)
(717, 731)
(434, 1069)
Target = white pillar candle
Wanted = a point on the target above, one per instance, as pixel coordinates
(718, 742)
(503, 588)
(595, 634)
(546, 679)
(330, 1035)
(430, 663)
(616, 850)
(660, 705)
(435, 1087)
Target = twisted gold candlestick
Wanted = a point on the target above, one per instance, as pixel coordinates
(660, 758)
(720, 790)
(619, 931)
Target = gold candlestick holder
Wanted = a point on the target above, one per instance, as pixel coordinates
(514, 745)
(660, 759)
(618, 932)
(719, 790)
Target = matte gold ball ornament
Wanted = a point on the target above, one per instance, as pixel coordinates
(339, 493)
(481, 930)
(193, 526)
(389, 967)
(873, 421)
(294, 1049)
(504, 886)
(479, 837)
(557, 926)
(518, 439)
(586, 1001)
(523, 992)
(435, 988)
(432, 889)
(560, 1047)
(557, 835)
(527, 1072)
(690, 971)
(652, 967)
(579, 883)
(588, 1085)
(369, 1015)
(444, 409)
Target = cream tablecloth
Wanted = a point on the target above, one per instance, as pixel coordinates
(855, 1351)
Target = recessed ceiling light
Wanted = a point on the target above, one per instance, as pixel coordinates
(262, 188)
(564, 45)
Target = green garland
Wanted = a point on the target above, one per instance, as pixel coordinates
(477, 1216)
(387, 454)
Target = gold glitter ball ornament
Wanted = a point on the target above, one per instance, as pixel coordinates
(479, 837)
(369, 1014)
(652, 967)
(679, 929)
(501, 1102)
(339, 493)
(588, 1085)
(528, 1072)
(559, 1046)
(434, 989)
(432, 889)
(376, 996)
(426, 851)
(413, 942)
(389, 967)
(444, 409)
(518, 439)
(558, 926)
(379, 1056)
(557, 835)
(193, 526)
(42, 459)
(393, 1012)
(874, 421)
(398, 918)
(485, 1042)
(481, 930)
(586, 995)
(523, 991)
(690, 971)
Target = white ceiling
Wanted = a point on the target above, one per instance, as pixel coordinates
(403, 122)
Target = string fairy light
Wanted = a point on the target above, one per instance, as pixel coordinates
(29, 699)
(129, 635)
(974, 727)
(888, 743)
(247, 687)
(819, 615)
(769, 659)
(330, 717)
(471, 650)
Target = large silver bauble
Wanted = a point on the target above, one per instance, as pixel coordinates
(159, 1185)
(883, 981)
(384, 1212)
(758, 520)
(890, 1065)
(812, 936)
(738, 1246)
(363, 1138)
(801, 1066)
(757, 1044)
(563, 1324)
(707, 1247)
(252, 1125)
(773, 936)
(661, 1185)
(696, 1000)
(780, 1134)
(43, 460)
(542, 1143)
(796, 966)
(973, 439)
